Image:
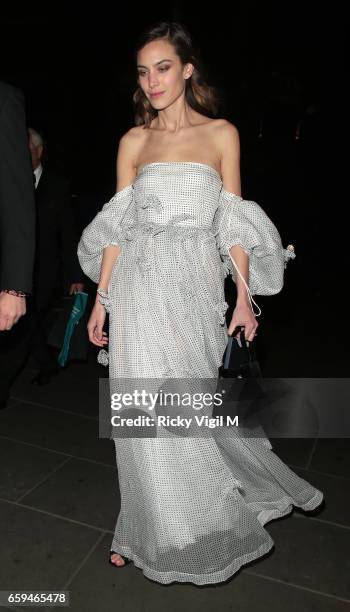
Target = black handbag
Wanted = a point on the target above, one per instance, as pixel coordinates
(239, 359)
(240, 381)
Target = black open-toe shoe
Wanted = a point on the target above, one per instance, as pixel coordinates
(125, 559)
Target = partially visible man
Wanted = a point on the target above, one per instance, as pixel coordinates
(17, 211)
(56, 251)
(17, 236)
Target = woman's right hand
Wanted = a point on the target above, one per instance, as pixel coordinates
(95, 325)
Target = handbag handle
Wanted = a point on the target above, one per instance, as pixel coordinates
(243, 359)
(254, 366)
(242, 340)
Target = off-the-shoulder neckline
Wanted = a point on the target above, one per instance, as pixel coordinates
(186, 163)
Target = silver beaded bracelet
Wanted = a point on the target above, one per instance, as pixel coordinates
(102, 293)
(104, 299)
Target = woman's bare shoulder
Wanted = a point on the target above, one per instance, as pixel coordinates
(228, 144)
(133, 136)
(226, 136)
(129, 146)
(225, 129)
(224, 133)
(131, 142)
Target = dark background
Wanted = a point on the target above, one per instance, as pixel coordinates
(77, 71)
(280, 70)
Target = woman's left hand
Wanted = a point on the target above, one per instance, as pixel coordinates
(243, 316)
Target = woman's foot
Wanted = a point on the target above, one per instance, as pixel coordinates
(118, 560)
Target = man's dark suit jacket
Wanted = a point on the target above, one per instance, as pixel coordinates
(57, 238)
(17, 208)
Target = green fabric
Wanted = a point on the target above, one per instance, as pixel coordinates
(74, 318)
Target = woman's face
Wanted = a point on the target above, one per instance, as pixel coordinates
(160, 72)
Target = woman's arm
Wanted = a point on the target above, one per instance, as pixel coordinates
(229, 145)
(126, 172)
(109, 257)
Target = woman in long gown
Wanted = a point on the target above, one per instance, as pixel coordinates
(193, 508)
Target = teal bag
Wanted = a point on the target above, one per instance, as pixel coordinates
(77, 312)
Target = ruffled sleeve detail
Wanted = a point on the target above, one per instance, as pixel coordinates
(244, 222)
(108, 227)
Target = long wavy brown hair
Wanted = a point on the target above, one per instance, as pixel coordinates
(201, 96)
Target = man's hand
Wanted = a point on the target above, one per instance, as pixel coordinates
(11, 309)
(75, 288)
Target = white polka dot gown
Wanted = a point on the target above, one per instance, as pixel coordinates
(192, 509)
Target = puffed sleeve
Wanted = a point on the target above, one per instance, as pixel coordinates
(244, 222)
(106, 228)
